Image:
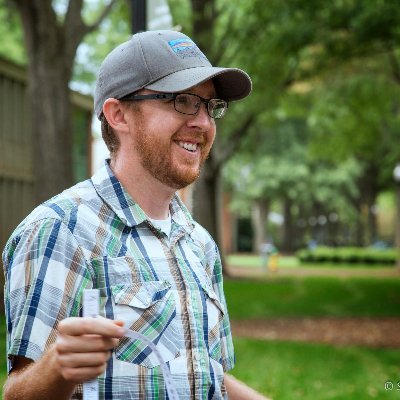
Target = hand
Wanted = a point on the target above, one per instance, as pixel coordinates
(237, 390)
(84, 345)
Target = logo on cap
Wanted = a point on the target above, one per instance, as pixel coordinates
(185, 48)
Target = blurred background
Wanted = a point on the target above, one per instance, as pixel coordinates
(302, 188)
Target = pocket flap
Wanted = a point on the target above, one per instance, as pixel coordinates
(141, 294)
(213, 297)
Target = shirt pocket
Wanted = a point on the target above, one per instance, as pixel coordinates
(215, 314)
(148, 308)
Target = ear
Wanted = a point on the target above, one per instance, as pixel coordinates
(115, 114)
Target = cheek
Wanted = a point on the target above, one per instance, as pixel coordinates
(211, 135)
(159, 120)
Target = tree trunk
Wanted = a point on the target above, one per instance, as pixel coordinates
(49, 71)
(207, 203)
(206, 200)
(51, 129)
(359, 227)
(372, 223)
(259, 216)
(204, 16)
(369, 189)
(289, 234)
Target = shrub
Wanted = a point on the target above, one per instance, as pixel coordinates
(347, 255)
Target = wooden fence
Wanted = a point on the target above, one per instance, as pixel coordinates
(16, 172)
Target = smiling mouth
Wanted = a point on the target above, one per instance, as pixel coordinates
(192, 147)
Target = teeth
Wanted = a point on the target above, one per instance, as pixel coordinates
(188, 146)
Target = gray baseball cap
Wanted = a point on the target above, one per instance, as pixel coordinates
(163, 61)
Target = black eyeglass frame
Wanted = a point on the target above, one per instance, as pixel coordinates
(173, 96)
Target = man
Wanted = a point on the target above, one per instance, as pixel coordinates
(125, 232)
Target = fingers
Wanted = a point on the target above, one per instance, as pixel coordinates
(84, 345)
(99, 326)
(82, 360)
(82, 374)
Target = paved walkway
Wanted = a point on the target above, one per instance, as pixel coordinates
(371, 332)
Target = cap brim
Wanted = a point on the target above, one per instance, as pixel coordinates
(230, 83)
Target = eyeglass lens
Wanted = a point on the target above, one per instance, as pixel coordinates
(190, 103)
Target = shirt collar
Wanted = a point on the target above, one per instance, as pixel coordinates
(112, 192)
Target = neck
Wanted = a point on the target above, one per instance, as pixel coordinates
(150, 194)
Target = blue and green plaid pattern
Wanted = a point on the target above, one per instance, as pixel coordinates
(169, 289)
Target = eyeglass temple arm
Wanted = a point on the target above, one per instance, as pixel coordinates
(155, 96)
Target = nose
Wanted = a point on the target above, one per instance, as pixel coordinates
(201, 119)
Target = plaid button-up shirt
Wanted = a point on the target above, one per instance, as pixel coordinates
(94, 235)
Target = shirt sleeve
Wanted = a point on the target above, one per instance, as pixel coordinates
(45, 273)
(227, 350)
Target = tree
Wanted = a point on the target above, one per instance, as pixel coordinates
(358, 117)
(281, 45)
(52, 39)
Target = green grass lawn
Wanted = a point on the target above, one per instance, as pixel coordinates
(255, 261)
(304, 371)
(291, 371)
(313, 297)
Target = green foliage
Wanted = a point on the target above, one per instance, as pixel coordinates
(113, 31)
(333, 68)
(348, 255)
(280, 169)
(12, 43)
(181, 15)
(276, 164)
(357, 117)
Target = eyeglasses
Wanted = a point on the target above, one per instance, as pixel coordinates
(186, 103)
